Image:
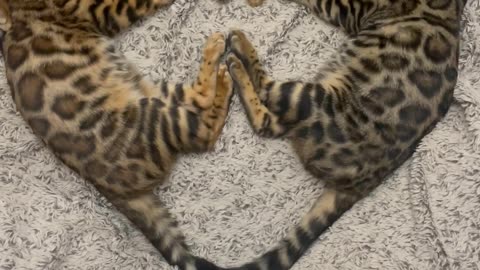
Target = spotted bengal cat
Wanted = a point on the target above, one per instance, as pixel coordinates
(100, 116)
(363, 116)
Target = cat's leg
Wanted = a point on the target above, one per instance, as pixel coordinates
(238, 43)
(289, 103)
(211, 120)
(214, 117)
(201, 93)
(273, 108)
(200, 107)
(191, 129)
(110, 16)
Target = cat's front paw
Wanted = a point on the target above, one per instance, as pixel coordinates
(234, 42)
(239, 44)
(215, 47)
(238, 72)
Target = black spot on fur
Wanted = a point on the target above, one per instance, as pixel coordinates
(303, 132)
(205, 265)
(437, 48)
(16, 56)
(444, 105)
(328, 105)
(370, 65)
(58, 70)
(394, 61)
(31, 89)
(387, 95)
(283, 102)
(90, 121)
(85, 85)
(319, 154)
(317, 131)
(335, 133)
(44, 45)
(393, 153)
(387, 133)
(439, 4)
(451, 74)
(405, 133)
(372, 106)
(359, 75)
(67, 106)
(304, 106)
(414, 114)
(428, 82)
(20, 31)
(303, 237)
(319, 95)
(110, 125)
(344, 157)
(39, 125)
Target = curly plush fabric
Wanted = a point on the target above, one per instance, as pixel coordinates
(237, 202)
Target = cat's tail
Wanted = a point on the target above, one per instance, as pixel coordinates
(326, 210)
(148, 214)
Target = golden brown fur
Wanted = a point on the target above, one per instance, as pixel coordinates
(363, 116)
(96, 112)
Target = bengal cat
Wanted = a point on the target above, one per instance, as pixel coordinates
(363, 116)
(100, 116)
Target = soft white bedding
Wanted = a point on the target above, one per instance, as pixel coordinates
(239, 200)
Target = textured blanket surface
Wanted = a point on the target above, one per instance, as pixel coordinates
(240, 200)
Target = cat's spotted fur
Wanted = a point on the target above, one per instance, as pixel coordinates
(364, 115)
(100, 116)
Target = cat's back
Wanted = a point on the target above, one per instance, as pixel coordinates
(71, 85)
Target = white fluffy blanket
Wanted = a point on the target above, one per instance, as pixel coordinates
(238, 201)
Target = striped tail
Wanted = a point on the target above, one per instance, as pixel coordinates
(148, 214)
(326, 210)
